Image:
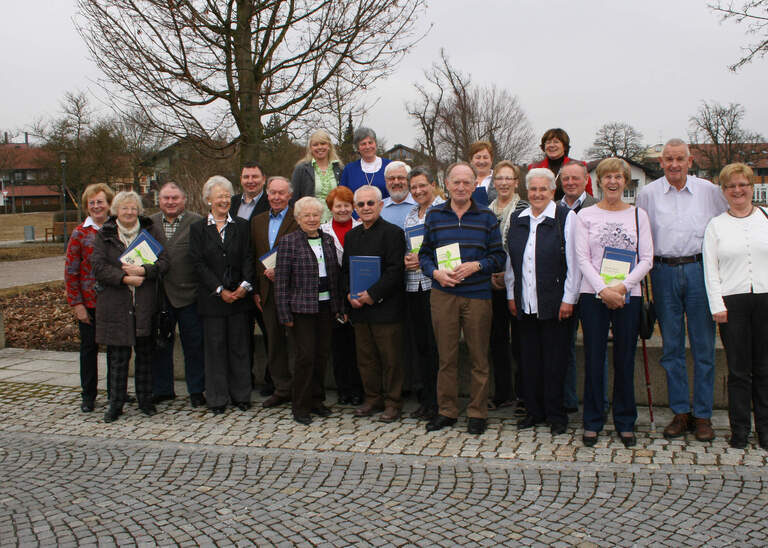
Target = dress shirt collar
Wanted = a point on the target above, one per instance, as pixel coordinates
(549, 211)
(668, 186)
(577, 203)
(388, 201)
(279, 215)
(90, 222)
(178, 219)
(212, 221)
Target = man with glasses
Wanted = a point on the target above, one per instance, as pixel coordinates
(399, 203)
(377, 312)
(679, 207)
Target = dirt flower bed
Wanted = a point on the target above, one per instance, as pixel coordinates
(40, 319)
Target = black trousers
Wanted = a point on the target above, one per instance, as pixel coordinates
(312, 334)
(419, 327)
(345, 372)
(118, 359)
(543, 367)
(89, 358)
(227, 363)
(505, 341)
(745, 338)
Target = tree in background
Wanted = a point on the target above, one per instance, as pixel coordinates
(451, 113)
(754, 15)
(715, 130)
(196, 67)
(617, 139)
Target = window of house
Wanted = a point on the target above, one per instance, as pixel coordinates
(18, 176)
(27, 202)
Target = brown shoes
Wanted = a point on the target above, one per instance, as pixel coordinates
(703, 429)
(682, 423)
(368, 409)
(274, 400)
(390, 414)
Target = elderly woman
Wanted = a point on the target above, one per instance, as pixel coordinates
(319, 171)
(127, 301)
(80, 282)
(481, 158)
(556, 144)
(220, 252)
(308, 302)
(349, 385)
(417, 290)
(611, 297)
(736, 274)
(369, 169)
(542, 287)
(506, 176)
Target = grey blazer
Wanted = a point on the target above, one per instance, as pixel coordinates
(180, 282)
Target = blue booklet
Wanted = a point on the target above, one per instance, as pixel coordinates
(414, 235)
(616, 265)
(364, 271)
(269, 259)
(145, 249)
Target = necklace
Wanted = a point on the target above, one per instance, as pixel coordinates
(751, 211)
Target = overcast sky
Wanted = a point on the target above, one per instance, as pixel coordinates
(575, 65)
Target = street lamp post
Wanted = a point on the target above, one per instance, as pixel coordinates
(63, 160)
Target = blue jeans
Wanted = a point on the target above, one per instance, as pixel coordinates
(571, 398)
(596, 319)
(191, 333)
(679, 294)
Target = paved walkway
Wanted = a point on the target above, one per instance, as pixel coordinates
(188, 477)
(31, 271)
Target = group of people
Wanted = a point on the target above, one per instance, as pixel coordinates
(514, 276)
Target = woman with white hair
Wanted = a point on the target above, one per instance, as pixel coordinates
(542, 287)
(369, 169)
(220, 251)
(127, 301)
(319, 171)
(308, 302)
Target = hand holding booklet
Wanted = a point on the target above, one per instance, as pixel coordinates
(145, 249)
(616, 265)
(448, 256)
(269, 259)
(364, 271)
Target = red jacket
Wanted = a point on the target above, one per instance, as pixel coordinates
(545, 163)
(77, 269)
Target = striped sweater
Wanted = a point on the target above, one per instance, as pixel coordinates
(478, 236)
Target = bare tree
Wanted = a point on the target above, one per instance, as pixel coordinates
(754, 15)
(717, 133)
(451, 113)
(199, 66)
(617, 139)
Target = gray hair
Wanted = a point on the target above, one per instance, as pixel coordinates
(124, 196)
(676, 142)
(362, 133)
(376, 190)
(539, 173)
(216, 181)
(396, 165)
(579, 164)
(454, 165)
(421, 170)
(173, 185)
(307, 202)
(279, 178)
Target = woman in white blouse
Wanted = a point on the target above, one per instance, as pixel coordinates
(736, 275)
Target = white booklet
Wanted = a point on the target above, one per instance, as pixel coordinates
(448, 256)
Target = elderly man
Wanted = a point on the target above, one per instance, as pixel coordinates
(679, 207)
(266, 230)
(377, 312)
(180, 291)
(399, 203)
(461, 292)
(573, 179)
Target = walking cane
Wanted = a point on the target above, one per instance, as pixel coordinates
(648, 386)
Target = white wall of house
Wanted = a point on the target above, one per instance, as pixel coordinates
(639, 180)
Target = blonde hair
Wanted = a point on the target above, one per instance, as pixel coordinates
(93, 190)
(320, 136)
(737, 168)
(613, 165)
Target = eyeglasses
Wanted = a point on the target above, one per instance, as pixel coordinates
(740, 186)
(369, 203)
(396, 178)
(501, 178)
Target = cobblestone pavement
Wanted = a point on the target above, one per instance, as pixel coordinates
(187, 477)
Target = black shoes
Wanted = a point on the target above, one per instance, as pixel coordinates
(303, 419)
(738, 440)
(355, 399)
(528, 422)
(589, 441)
(197, 400)
(628, 441)
(148, 409)
(440, 422)
(113, 412)
(321, 411)
(218, 410)
(557, 428)
(87, 406)
(475, 426)
(762, 440)
(243, 405)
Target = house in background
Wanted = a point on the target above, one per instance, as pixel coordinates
(640, 174)
(26, 182)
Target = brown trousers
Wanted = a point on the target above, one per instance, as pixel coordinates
(379, 355)
(452, 314)
(277, 346)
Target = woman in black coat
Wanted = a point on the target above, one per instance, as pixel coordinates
(318, 172)
(126, 302)
(220, 252)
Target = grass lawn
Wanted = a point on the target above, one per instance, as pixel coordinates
(32, 250)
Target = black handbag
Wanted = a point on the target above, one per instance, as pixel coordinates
(163, 326)
(647, 310)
